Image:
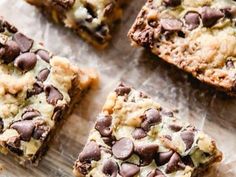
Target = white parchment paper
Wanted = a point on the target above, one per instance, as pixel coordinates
(205, 108)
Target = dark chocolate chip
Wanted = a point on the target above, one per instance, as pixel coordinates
(187, 161)
(210, 16)
(58, 112)
(90, 152)
(44, 55)
(151, 117)
(110, 168)
(155, 173)
(163, 157)
(23, 41)
(11, 51)
(129, 170)
(1, 125)
(41, 130)
(230, 64)
(37, 89)
(25, 128)
(29, 114)
(43, 74)
(230, 12)
(173, 164)
(10, 28)
(175, 127)
(13, 144)
(146, 152)
(171, 24)
(122, 90)
(172, 3)
(26, 61)
(188, 138)
(139, 133)
(192, 19)
(123, 148)
(109, 140)
(103, 125)
(52, 94)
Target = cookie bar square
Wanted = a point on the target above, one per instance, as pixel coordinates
(37, 90)
(196, 36)
(135, 137)
(91, 19)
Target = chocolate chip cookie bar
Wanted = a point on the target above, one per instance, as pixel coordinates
(91, 19)
(136, 137)
(37, 89)
(196, 36)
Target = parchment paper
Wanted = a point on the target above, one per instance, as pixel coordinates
(205, 108)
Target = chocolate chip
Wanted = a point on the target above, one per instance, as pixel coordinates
(230, 12)
(123, 148)
(163, 157)
(44, 55)
(210, 16)
(1, 125)
(171, 24)
(146, 152)
(175, 127)
(187, 161)
(43, 74)
(58, 112)
(192, 19)
(129, 170)
(26, 61)
(10, 28)
(122, 90)
(13, 144)
(151, 117)
(173, 164)
(11, 51)
(37, 89)
(230, 64)
(90, 152)
(109, 140)
(110, 168)
(103, 125)
(139, 133)
(155, 173)
(23, 41)
(29, 114)
(52, 94)
(188, 138)
(41, 130)
(83, 168)
(172, 3)
(25, 128)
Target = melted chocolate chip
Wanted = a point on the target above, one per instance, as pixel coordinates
(139, 133)
(155, 173)
(172, 3)
(29, 114)
(163, 157)
(129, 170)
(37, 89)
(122, 90)
(171, 24)
(173, 164)
(26, 61)
(230, 12)
(110, 168)
(11, 51)
(175, 127)
(192, 19)
(44, 55)
(58, 112)
(41, 130)
(123, 148)
(210, 16)
(90, 152)
(52, 94)
(25, 128)
(109, 140)
(151, 117)
(13, 145)
(43, 75)
(103, 125)
(146, 152)
(187, 161)
(188, 138)
(23, 41)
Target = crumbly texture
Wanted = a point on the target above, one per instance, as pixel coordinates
(36, 90)
(136, 137)
(198, 36)
(91, 19)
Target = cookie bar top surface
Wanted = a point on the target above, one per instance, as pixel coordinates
(135, 137)
(92, 19)
(197, 36)
(35, 90)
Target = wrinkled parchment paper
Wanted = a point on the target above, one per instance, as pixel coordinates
(205, 108)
